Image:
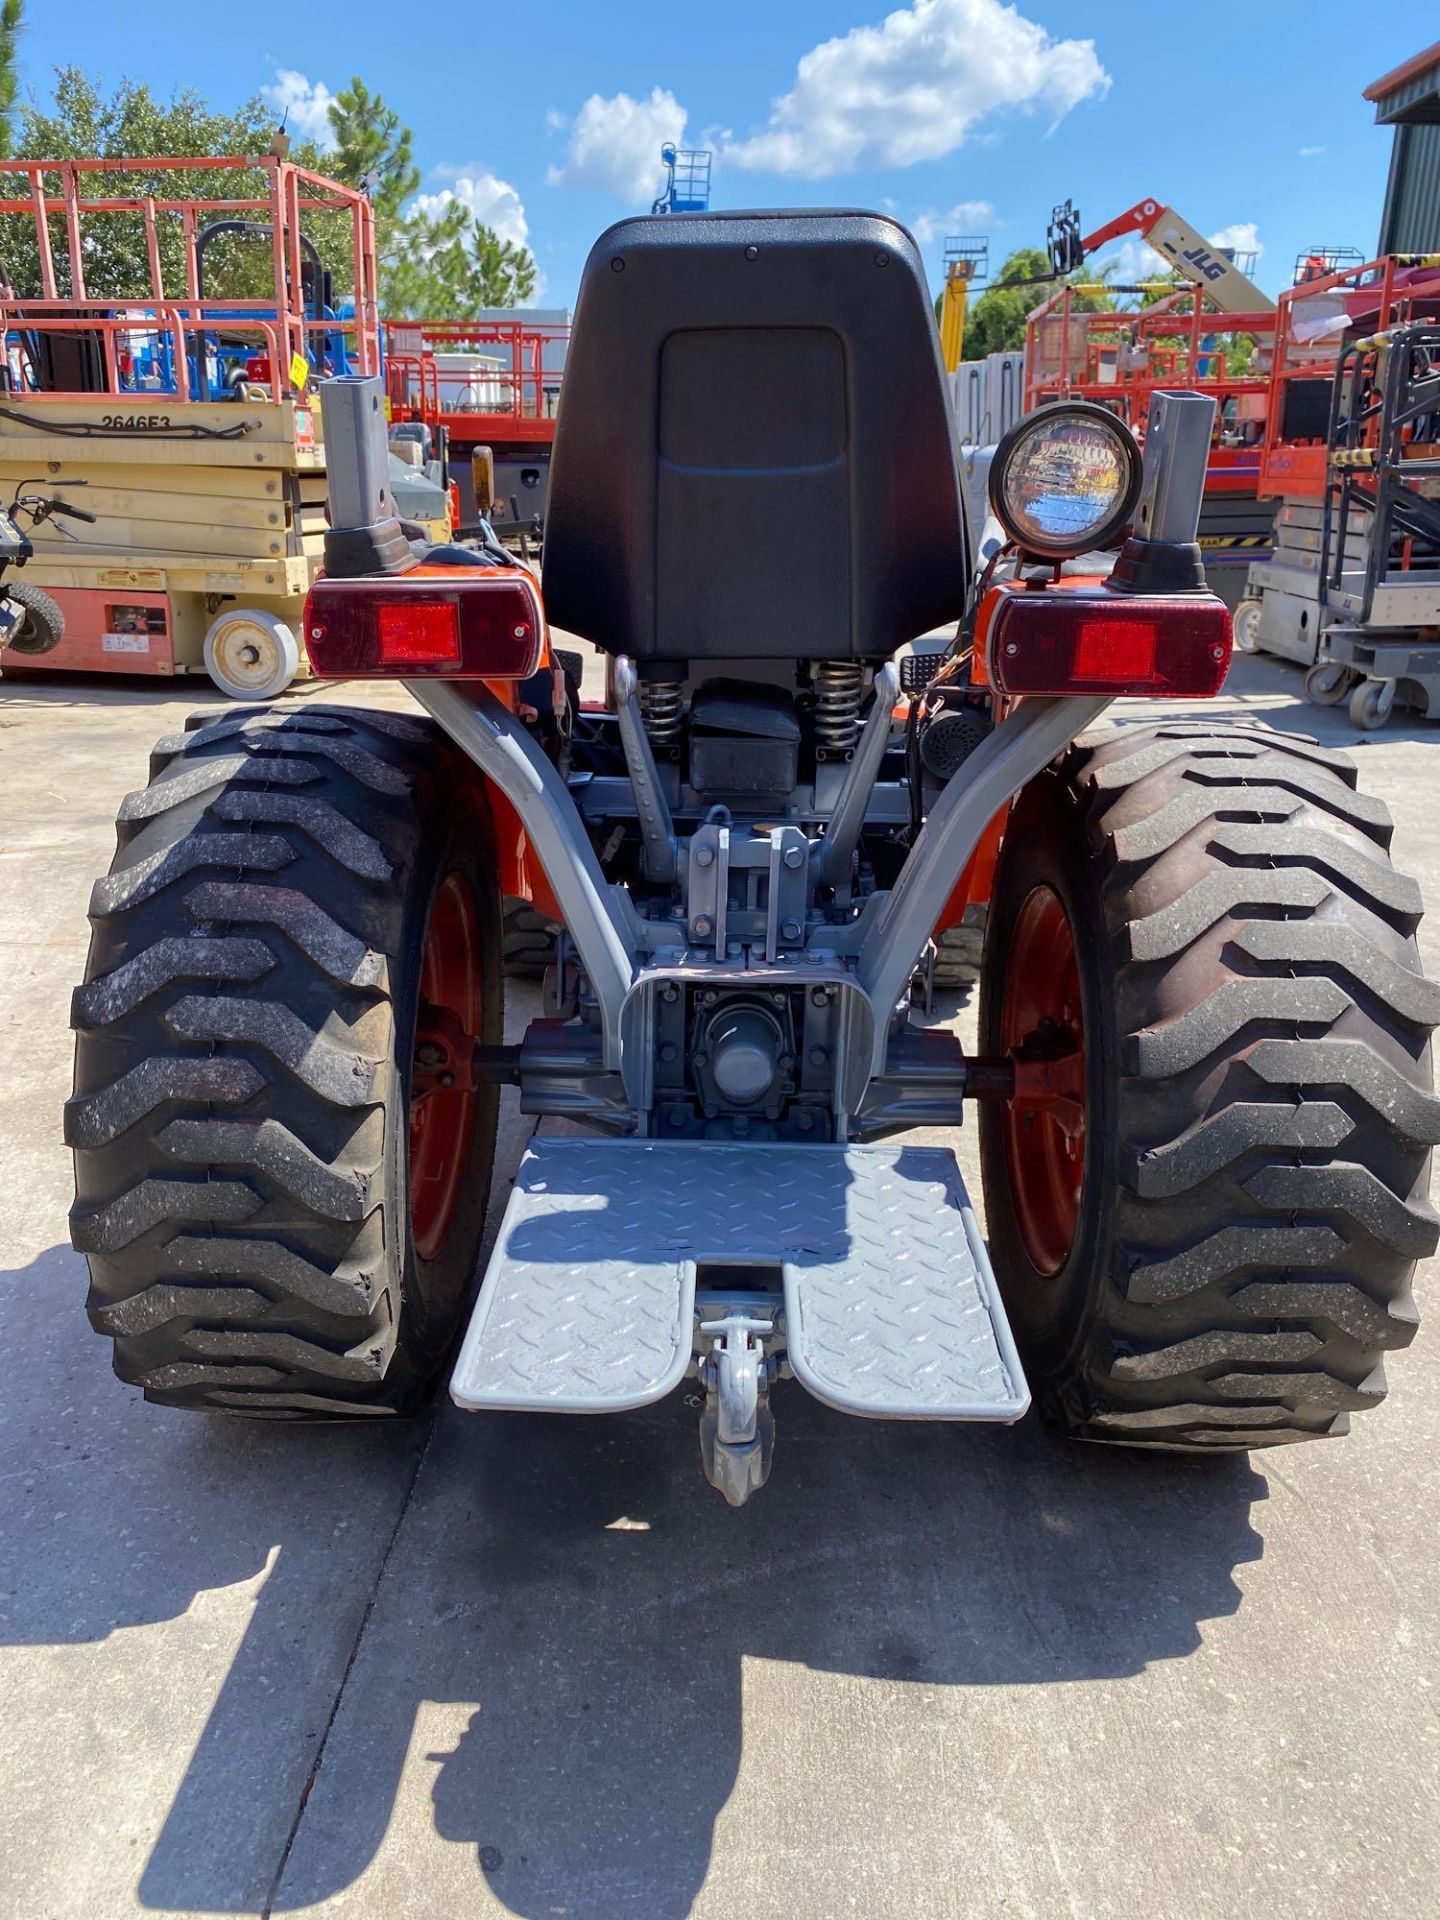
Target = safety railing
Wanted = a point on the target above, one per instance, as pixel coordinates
(1314, 322)
(135, 354)
(1069, 348)
(492, 370)
(125, 310)
(1382, 489)
(1123, 356)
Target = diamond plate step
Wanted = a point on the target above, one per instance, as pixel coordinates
(890, 1307)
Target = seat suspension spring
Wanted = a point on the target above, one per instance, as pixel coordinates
(838, 687)
(662, 708)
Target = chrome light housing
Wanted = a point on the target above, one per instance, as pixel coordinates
(1065, 479)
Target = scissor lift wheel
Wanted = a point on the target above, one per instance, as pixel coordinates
(1327, 683)
(1245, 626)
(251, 654)
(1371, 704)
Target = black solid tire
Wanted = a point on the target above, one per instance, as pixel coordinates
(529, 939)
(43, 627)
(242, 1065)
(1260, 1110)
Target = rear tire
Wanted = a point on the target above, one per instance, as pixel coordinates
(242, 1118)
(1259, 1110)
(529, 940)
(958, 951)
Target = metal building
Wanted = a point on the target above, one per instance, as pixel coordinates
(1408, 99)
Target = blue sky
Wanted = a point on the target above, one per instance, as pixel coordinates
(953, 114)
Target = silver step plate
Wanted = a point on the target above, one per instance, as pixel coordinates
(890, 1307)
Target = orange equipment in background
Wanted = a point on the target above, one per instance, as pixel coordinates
(492, 387)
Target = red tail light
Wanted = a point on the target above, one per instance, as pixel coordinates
(426, 633)
(1099, 642)
(467, 626)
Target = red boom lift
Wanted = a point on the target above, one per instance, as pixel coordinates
(1121, 359)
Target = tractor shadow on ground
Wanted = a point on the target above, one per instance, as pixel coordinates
(573, 1587)
(934, 1557)
(118, 1516)
(576, 1585)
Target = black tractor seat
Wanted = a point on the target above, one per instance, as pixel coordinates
(755, 455)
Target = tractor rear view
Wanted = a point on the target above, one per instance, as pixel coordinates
(1203, 1082)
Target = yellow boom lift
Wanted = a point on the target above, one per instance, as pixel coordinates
(967, 258)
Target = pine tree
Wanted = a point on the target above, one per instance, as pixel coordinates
(11, 21)
(502, 274)
(373, 149)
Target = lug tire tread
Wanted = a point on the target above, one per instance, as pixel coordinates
(959, 950)
(1274, 1099)
(529, 939)
(235, 1065)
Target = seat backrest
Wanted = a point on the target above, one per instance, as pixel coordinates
(754, 455)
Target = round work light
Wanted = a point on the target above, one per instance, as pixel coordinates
(1065, 479)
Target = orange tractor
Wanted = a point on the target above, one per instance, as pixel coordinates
(1203, 1076)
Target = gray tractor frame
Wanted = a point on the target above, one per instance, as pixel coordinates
(752, 1299)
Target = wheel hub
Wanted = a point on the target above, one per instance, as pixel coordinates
(247, 656)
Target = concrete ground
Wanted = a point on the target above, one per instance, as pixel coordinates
(526, 1666)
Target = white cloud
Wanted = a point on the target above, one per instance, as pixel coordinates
(1132, 262)
(1241, 237)
(492, 200)
(1311, 153)
(970, 216)
(615, 144)
(913, 87)
(303, 104)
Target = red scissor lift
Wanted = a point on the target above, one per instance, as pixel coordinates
(1314, 321)
(1122, 358)
(491, 388)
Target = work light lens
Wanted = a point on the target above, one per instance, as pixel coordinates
(1067, 481)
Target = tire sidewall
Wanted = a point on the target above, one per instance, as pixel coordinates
(1052, 1315)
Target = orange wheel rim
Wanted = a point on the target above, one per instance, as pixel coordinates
(442, 1118)
(1041, 1022)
